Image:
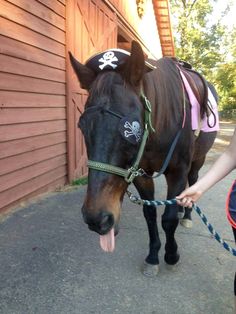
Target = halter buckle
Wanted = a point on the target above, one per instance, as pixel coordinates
(133, 173)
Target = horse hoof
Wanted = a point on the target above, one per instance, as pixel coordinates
(173, 267)
(150, 270)
(187, 223)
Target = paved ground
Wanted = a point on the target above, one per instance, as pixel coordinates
(50, 263)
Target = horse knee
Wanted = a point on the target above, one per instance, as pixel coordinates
(150, 213)
(169, 225)
(170, 221)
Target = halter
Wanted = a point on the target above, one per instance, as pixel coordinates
(134, 170)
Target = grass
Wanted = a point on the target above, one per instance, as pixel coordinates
(80, 181)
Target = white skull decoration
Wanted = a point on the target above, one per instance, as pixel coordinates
(133, 129)
(107, 59)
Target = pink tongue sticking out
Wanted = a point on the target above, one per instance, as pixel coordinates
(107, 241)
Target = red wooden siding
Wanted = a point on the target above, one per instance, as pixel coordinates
(95, 29)
(32, 98)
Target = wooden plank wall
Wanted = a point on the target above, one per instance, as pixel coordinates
(142, 29)
(95, 29)
(32, 98)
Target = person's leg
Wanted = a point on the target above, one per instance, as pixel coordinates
(234, 232)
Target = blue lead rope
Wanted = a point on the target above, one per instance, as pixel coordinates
(137, 200)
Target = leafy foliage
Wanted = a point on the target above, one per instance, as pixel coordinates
(207, 44)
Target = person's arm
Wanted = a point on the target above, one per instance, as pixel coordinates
(223, 166)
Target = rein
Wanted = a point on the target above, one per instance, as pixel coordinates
(137, 200)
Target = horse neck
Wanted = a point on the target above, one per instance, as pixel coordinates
(167, 103)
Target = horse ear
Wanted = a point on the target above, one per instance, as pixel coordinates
(135, 65)
(85, 75)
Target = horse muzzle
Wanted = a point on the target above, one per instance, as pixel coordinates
(101, 222)
(104, 224)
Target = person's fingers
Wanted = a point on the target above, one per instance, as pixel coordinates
(185, 201)
(189, 203)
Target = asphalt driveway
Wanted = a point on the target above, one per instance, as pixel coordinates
(50, 263)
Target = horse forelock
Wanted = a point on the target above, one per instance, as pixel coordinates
(103, 85)
(164, 89)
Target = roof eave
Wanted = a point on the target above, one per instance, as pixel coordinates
(162, 14)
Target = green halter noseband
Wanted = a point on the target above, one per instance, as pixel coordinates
(134, 170)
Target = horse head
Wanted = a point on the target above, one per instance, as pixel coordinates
(112, 126)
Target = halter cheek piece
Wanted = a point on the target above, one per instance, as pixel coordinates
(131, 131)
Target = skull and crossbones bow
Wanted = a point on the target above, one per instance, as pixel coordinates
(133, 129)
(108, 58)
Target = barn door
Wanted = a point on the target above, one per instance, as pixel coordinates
(91, 27)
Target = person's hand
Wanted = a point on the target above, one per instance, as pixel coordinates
(189, 196)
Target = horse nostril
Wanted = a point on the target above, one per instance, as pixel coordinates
(106, 221)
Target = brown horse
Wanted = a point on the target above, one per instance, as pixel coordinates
(114, 97)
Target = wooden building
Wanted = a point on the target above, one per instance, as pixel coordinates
(41, 147)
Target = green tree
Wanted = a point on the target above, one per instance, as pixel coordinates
(225, 77)
(207, 44)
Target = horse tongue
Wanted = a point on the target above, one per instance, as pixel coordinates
(107, 241)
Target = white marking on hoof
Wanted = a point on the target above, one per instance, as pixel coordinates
(180, 215)
(173, 267)
(187, 223)
(150, 270)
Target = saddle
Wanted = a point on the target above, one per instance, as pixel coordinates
(198, 85)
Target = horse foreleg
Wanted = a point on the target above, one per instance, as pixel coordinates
(170, 218)
(145, 188)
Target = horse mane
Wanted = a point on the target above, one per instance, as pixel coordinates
(163, 88)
